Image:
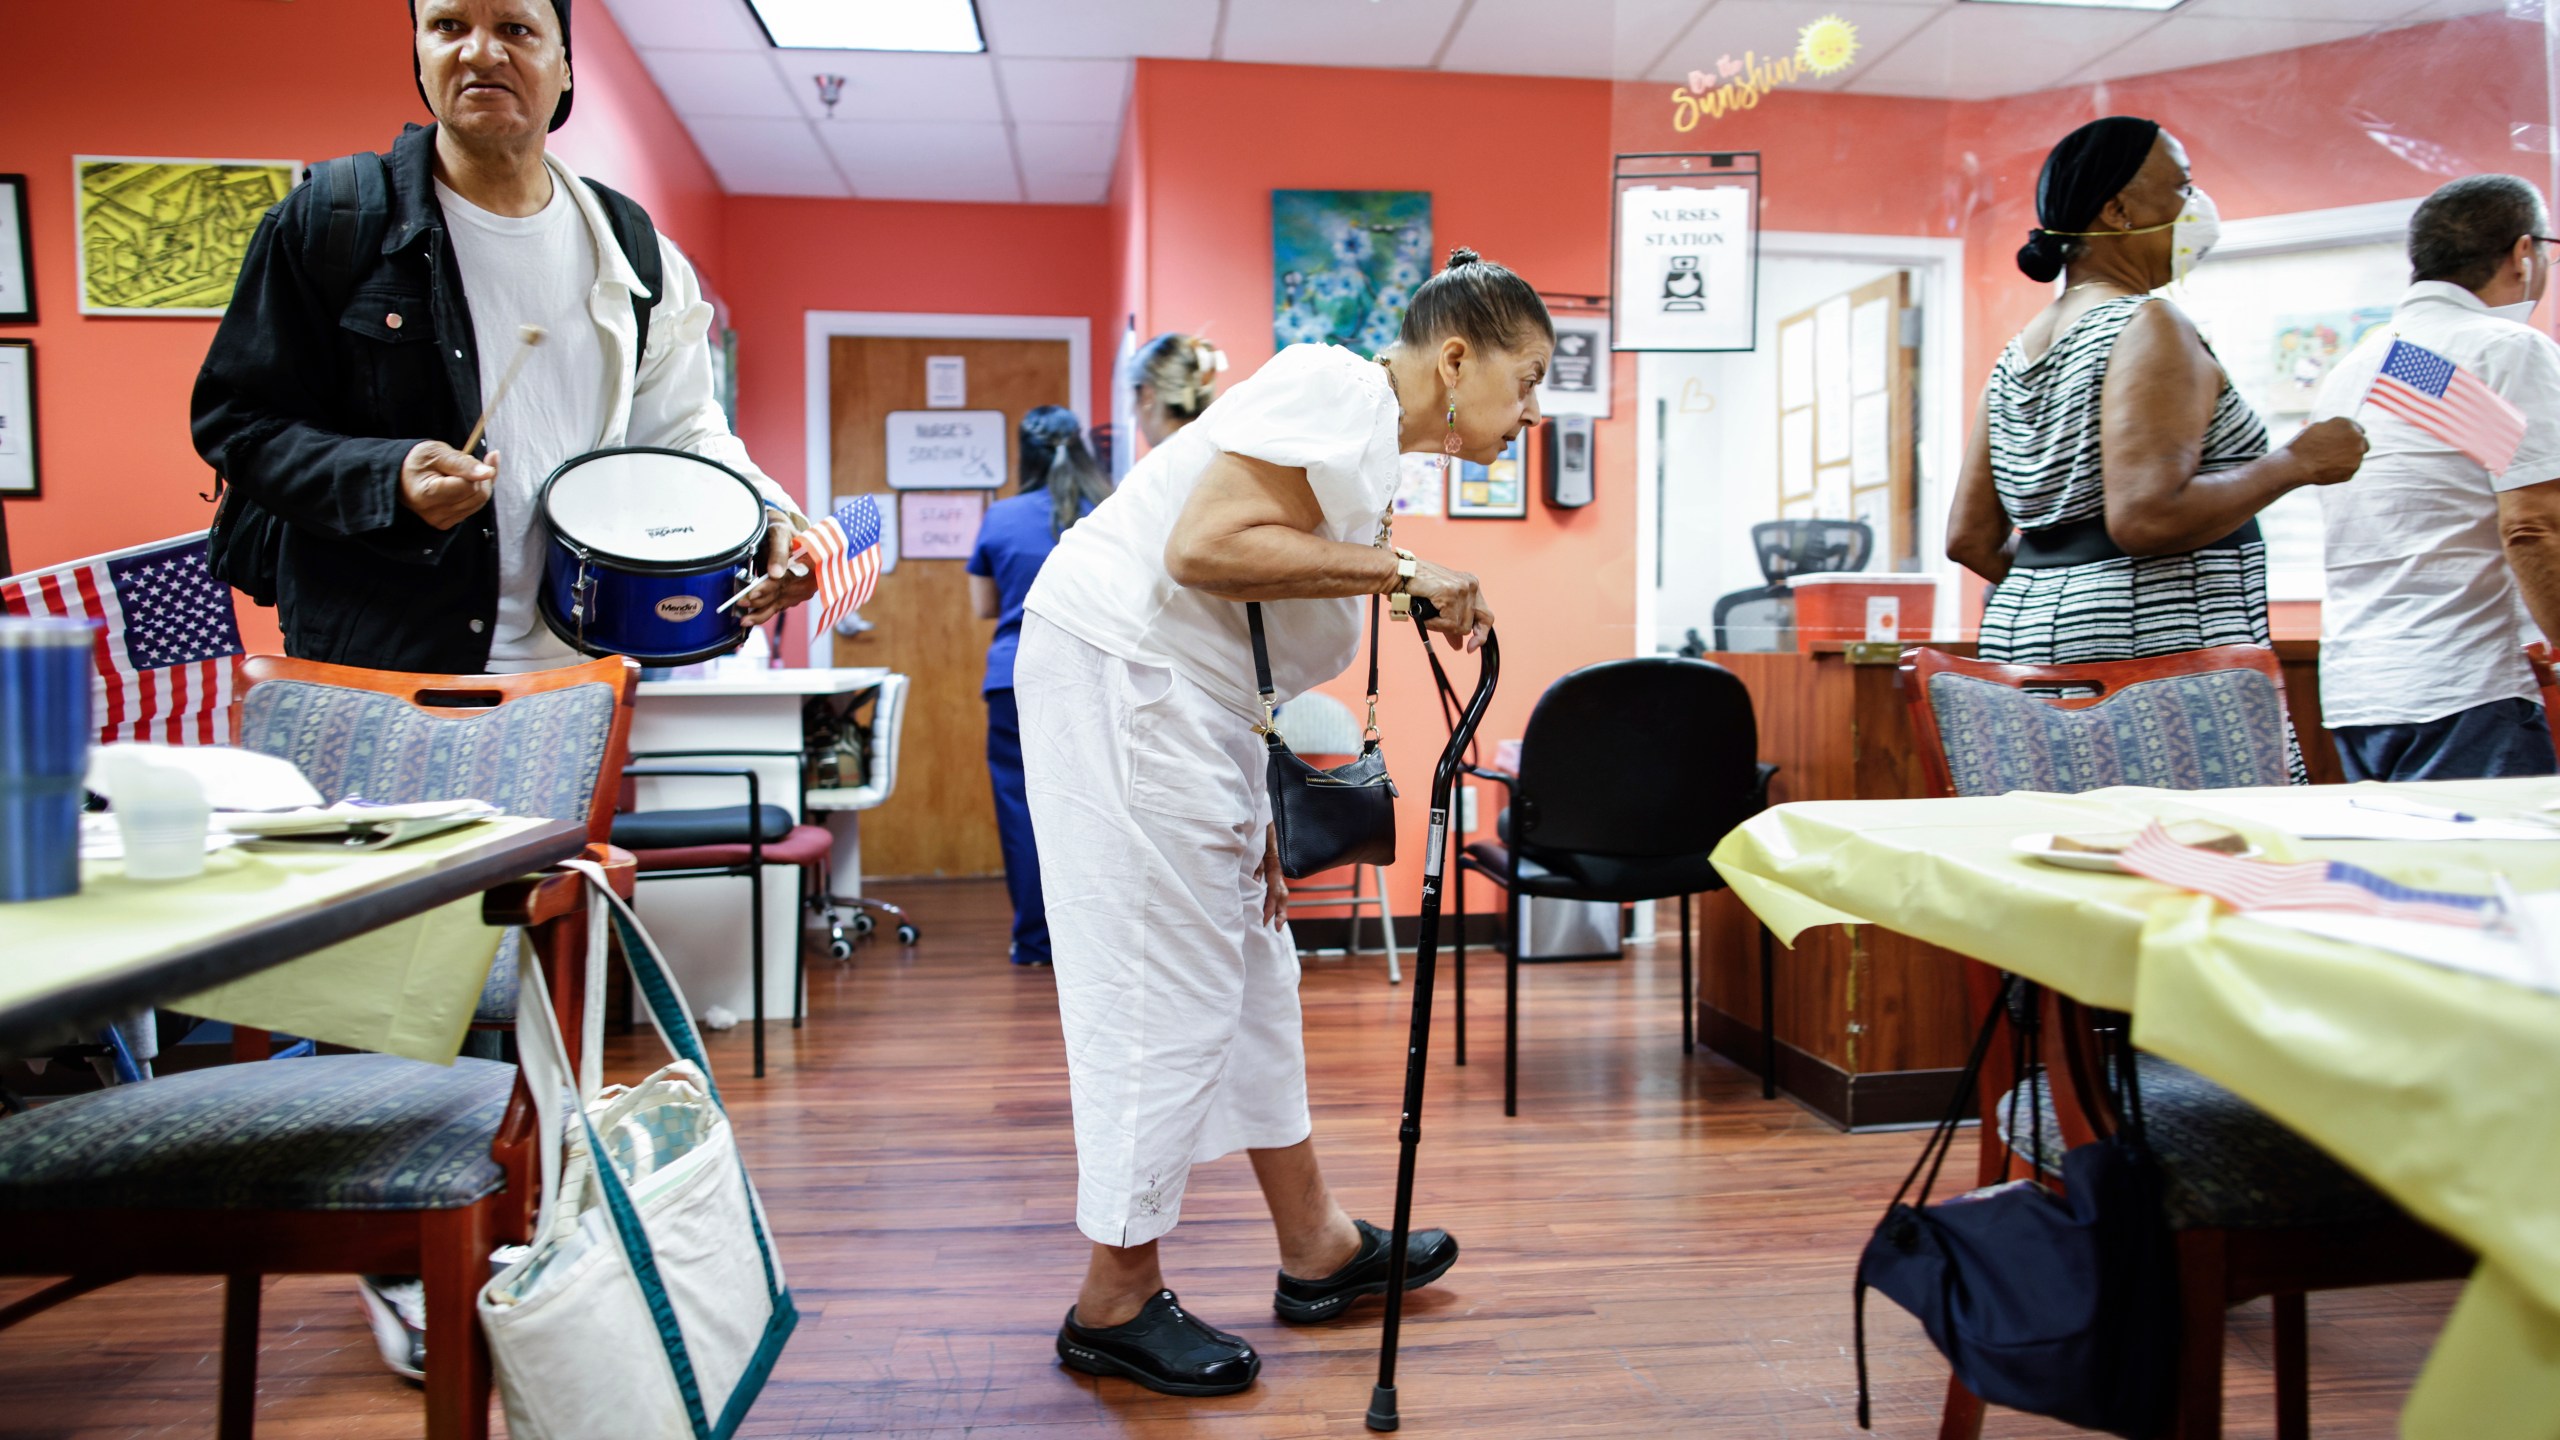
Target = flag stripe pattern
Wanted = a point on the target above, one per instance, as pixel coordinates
(2441, 398)
(844, 550)
(2306, 885)
(167, 639)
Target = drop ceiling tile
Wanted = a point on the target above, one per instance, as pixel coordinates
(721, 84)
(689, 24)
(1773, 27)
(1975, 52)
(2366, 12)
(942, 187)
(2433, 10)
(1043, 187)
(1104, 29)
(1078, 148)
(766, 157)
(895, 87)
(1366, 33)
(2196, 40)
(1091, 92)
(1541, 37)
(909, 156)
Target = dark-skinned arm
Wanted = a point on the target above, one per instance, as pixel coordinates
(1248, 533)
(2161, 389)
(1980, 536)
(2529, 524)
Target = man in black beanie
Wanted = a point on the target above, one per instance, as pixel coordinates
(377, 306)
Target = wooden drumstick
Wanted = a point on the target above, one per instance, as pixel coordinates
(527, 336)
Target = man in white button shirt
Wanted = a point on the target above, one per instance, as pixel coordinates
(2440, 572)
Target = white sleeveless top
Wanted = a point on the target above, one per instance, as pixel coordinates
(1320, 408)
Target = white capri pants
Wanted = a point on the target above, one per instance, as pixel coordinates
(1180, 1006)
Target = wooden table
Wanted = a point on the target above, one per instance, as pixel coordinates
(76, 962)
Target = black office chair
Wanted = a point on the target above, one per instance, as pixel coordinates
(1630, 772)
(1763, 618)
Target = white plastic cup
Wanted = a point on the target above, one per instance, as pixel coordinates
(162, 816)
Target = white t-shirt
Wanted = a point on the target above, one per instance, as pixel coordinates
(1316, 407)
(534, 270)
(2422, 617)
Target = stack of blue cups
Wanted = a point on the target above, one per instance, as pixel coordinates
(45, 729)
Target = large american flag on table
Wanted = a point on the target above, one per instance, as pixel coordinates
(2305, 885)
(845, 548)
(2441, 398)
(164, 657)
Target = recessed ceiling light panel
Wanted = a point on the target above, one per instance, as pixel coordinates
(939, 26)
(2089, 4)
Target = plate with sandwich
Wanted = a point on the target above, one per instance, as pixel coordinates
(2098, 849)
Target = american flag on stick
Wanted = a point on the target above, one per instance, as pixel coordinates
(164, 655)
(2305, 885)
(2441, 398)
(844, 548)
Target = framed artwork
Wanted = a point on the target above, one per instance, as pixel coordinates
(1345, 263)
(166, 237)
(1499, 491)
(17, 265)
(20, 474)
(1578, 374)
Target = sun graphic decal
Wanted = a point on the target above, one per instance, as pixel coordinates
(1827, 45)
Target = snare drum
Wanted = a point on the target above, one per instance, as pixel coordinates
(646, 545)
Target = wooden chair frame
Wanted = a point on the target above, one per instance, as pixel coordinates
(2217, 1268)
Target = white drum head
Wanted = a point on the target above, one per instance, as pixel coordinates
(653, 508)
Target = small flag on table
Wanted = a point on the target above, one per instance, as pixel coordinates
(2441, 398)
(844, 549)
(2308, 885)
(164, 658)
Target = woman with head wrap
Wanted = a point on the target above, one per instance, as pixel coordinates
(2112, 488)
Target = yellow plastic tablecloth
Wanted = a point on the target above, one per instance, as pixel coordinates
(408, 988)
(2440, 1087)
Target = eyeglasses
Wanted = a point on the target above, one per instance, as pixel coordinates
(2543, 239)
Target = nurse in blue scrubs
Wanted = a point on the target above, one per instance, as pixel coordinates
(1060, 483)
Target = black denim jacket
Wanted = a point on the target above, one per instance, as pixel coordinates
(306, 407)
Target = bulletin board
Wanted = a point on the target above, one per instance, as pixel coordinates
(1845, 414)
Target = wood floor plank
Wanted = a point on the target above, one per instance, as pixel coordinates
(1650, 1248)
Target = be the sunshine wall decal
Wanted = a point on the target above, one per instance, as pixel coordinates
(1823, 48)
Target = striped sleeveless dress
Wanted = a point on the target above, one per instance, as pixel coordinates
(2044, 418)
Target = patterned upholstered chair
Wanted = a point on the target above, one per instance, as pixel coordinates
(343, 1163)
(2257, 1210)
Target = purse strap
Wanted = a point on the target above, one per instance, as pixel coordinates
(1270, 726)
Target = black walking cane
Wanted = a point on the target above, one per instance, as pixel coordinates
(1462, 730)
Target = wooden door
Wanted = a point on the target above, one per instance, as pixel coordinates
(942, 820)
(1848, 372)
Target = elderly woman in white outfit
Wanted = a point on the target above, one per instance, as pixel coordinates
(1177, 979)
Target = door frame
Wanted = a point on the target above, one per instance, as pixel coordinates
(818, 327)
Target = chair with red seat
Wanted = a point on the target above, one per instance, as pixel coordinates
(738, 841)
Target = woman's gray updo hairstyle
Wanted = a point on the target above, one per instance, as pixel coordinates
(1478, 301)
(1182, 370)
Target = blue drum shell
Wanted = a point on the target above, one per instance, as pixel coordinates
(654, 619)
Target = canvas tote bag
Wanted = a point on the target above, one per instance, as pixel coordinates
(652, 1305)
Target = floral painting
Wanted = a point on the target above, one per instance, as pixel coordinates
(1344, 264)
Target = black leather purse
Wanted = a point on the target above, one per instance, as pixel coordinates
(1326, 819)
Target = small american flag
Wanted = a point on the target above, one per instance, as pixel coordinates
(2307, 885)
(2441, 398)
(845, 548)
(164, 659)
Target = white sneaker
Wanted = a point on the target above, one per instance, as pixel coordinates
(397, 1307)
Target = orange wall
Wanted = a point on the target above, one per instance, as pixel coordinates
(112, 391)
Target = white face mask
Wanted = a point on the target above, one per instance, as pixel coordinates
(2196, 230)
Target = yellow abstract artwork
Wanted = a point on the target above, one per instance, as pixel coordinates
(165, 237)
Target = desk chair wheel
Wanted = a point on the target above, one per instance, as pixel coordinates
(863, 924)
(839, 945)
(908, 934)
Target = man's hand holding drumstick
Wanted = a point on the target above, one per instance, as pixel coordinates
(787, 581)
(445, 486)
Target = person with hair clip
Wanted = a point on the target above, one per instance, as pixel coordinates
(1176, 376)
(1177, 978)
(1059, 483)
(2112, 486)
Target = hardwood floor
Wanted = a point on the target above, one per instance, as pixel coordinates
(1651, 1249)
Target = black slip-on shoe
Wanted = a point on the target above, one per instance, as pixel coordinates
(1167, 1349)
(1429, 1255)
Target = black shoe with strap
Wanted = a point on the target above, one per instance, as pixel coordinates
(1428, 1256)
(1166, 1348)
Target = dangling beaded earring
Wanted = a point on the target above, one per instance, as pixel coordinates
(1449, 445)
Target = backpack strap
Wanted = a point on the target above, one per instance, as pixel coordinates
(639, 241)
(351, 208)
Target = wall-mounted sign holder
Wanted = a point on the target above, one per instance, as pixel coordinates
(1684, 246)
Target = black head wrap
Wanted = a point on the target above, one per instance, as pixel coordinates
(2090, 167)
(559, 113)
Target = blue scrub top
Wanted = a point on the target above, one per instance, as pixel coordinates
(1013, 543)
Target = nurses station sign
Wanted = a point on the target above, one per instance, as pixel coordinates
(1685, 272)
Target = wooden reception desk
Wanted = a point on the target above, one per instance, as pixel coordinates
(1870, 1025)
